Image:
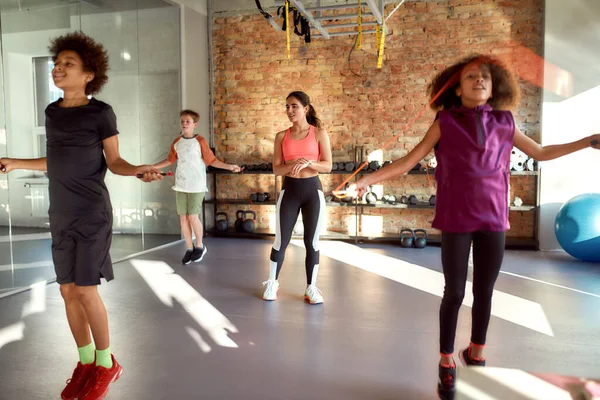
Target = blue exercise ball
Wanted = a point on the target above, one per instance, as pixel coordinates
(577, 227)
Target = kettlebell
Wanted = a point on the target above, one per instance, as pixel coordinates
(404, 200)
(407, 237)
(267, 196)
(391, 199)
(221, 225)
(260, 197)
(412, 199)
(420, 238)
(374, 165)
(254, 197)
(334, 166)
(432, 200)
(239, 215)
(249, 224)
(370, 197)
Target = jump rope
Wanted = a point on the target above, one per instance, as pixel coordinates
(343, 193)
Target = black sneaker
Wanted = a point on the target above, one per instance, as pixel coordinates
(188, 257)
(446, 382)
(466, 360)
(198, 254)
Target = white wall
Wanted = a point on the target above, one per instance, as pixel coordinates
(572, 34)
(195, 65)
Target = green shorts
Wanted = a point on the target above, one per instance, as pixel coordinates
(189, 203)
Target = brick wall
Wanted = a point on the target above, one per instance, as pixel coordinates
(359, 103)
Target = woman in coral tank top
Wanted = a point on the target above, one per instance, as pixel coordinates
(301, 153)
(473, 136)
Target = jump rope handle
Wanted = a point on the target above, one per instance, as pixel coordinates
(162, 173)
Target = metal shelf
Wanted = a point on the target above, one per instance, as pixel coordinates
(266, 233)
(363, 172)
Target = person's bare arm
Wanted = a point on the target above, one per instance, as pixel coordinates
(546, 153)
(118, 166)
(32, 164)
(279, 168)
(164, 163)
(229, 167)
(404, 164)
(325, 163)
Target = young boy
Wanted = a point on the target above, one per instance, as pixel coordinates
(193, 155)
(81, 143)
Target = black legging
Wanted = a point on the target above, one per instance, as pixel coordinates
(488, 252)
(306, 195)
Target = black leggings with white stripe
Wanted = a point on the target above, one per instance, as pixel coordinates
(297, 195)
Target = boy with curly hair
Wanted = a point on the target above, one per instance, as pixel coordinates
(81, 144)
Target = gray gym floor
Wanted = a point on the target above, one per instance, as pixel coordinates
(202, 331)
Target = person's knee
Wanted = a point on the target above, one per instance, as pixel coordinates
(183, 219)
(453, 296)
(86, 294)
(68, 292)
(483, 292)
(193, 218)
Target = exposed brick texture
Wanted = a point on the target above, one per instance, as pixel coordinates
(359, 103)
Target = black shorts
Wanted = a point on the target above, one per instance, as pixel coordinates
(80, 248)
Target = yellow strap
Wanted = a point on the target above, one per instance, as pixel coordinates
(381, 47)
(359, 41)
(378, 37)
(287, 26)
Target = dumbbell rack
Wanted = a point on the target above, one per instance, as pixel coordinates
(359, 206)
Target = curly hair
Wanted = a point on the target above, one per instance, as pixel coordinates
(505, 90)
(93, 55)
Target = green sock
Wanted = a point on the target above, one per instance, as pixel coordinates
(103, 358)
(86, 354)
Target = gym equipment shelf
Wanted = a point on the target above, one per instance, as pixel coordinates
(264, 233)
(357, 235)
(413, 172)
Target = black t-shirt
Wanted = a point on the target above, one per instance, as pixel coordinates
(75, 156)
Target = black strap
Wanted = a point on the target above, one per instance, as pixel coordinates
(263, 12)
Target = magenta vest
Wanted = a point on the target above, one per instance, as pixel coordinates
(473, 171)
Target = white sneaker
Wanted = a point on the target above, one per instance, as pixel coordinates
(313, 295)
(271, 290)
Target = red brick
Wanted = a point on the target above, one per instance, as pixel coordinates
(253, 76)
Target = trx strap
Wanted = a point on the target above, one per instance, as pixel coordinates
(287, 31)
(301, 24)
(360, 34)
(267, 16)
(263, 12)
(380, 44)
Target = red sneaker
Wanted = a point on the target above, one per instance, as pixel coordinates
(78, 380)
(97, 386)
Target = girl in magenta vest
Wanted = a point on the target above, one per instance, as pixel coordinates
(473, 135)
